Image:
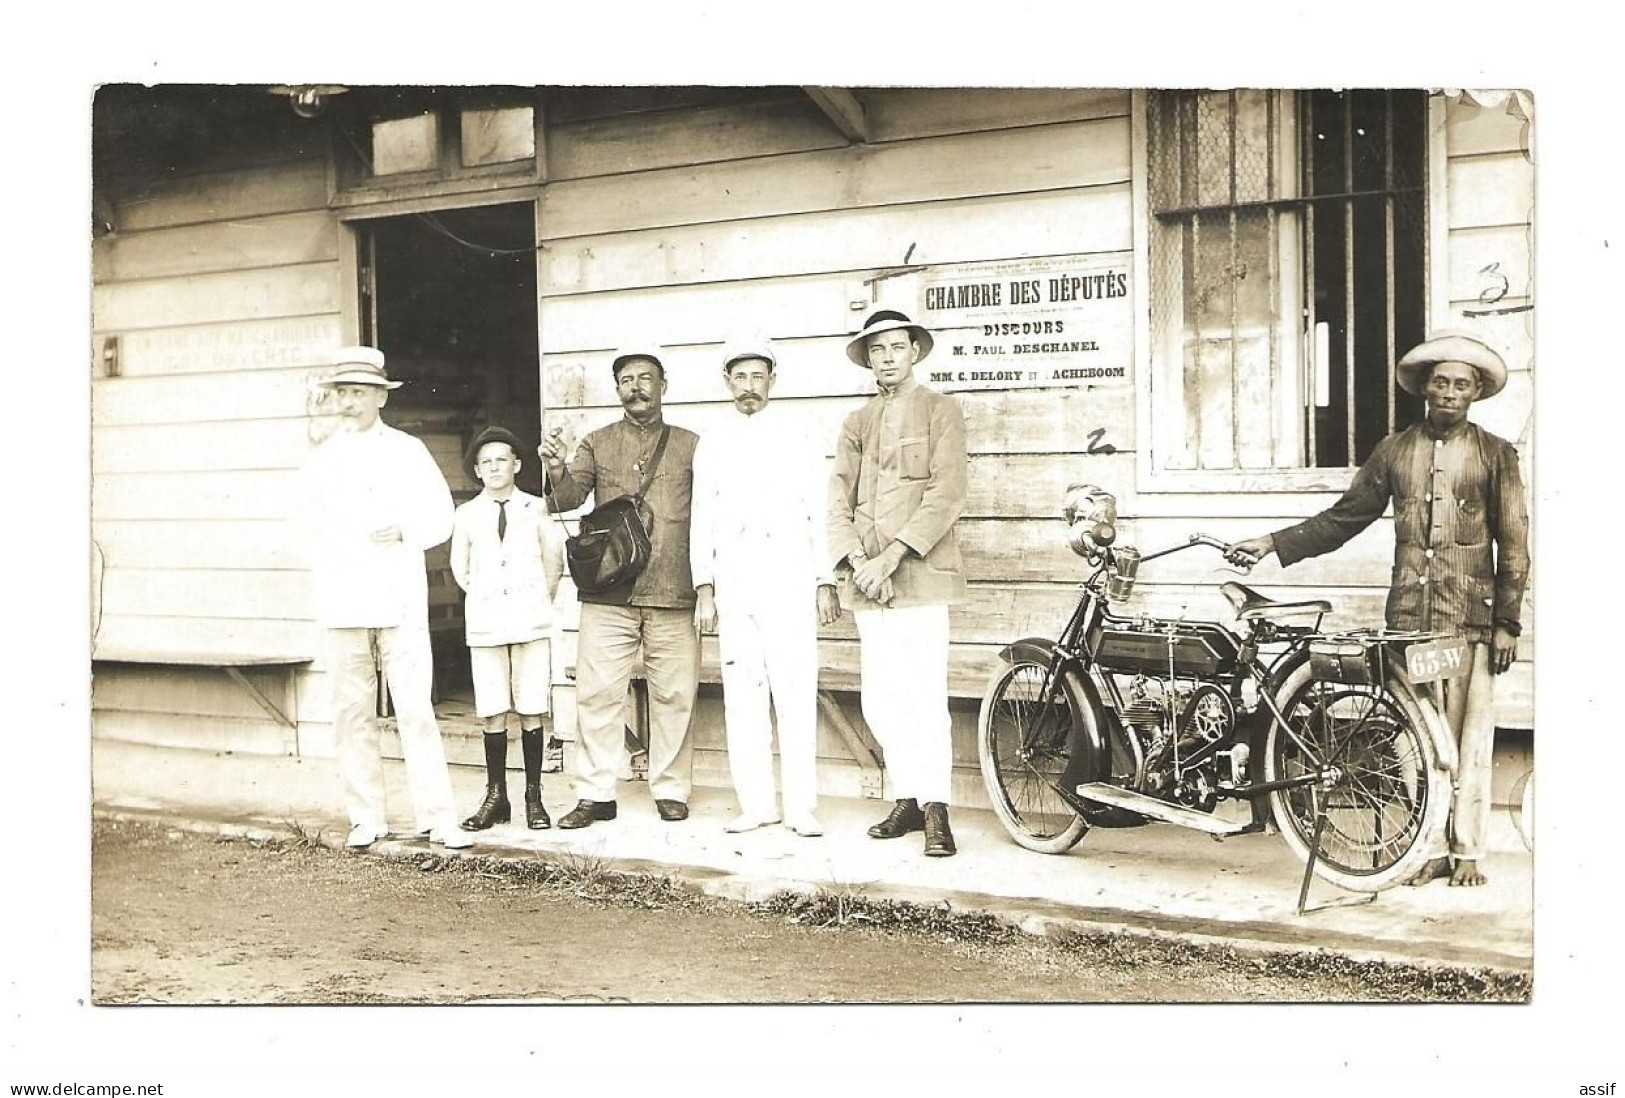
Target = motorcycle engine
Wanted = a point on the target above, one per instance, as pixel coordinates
(1206, 719)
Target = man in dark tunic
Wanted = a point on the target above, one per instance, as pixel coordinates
(1461, 558)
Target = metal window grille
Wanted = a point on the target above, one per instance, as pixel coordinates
(1287, 269)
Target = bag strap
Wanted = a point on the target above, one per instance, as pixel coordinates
(654, 461)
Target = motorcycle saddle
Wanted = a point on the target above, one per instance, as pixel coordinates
(1250, 604)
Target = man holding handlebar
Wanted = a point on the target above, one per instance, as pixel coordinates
(1461, 557)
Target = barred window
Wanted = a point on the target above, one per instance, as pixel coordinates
(1288, 254)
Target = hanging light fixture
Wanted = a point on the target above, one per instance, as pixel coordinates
(308, 100)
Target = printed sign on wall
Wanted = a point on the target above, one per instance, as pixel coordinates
(1037, 322)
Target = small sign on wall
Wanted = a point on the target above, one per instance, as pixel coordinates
(1038, 322)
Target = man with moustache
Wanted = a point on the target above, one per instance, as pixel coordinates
(1461, 558)
(655, 613)
(375, 501)
(896, 490)
(762, 580)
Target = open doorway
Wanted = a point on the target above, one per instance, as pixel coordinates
(450, 298)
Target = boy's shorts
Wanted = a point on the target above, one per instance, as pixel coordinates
(512, 678)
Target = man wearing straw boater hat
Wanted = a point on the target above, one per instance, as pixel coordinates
(1461, 558)
(896, 490)
(376, 502)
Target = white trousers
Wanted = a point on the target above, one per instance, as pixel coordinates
(904, 661)
(409, 671)
(770, 657)
(1469, 709)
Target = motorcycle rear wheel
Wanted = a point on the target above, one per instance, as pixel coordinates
(1390, 795)
(1022, 744)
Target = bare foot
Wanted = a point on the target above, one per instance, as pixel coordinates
(1432, 871)
(1467, 874)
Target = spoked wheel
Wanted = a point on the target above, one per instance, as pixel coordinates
(1382, 790)
(1022, 741)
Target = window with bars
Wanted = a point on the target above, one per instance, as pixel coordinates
(1288, 252)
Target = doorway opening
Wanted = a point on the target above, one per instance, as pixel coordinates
(450, 298)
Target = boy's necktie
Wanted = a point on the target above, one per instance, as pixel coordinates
(502, 519)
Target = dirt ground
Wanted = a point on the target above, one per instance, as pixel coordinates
(179, 917)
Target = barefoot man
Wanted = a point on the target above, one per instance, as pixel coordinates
(1461, 557)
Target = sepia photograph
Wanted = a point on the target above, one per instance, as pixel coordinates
(922, 559)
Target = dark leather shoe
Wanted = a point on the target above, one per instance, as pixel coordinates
(495, 809)
(535, 815)
(671, 811)
(587, 812)
(905, 817)
(939, 837)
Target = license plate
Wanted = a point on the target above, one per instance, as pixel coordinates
(1435, 660)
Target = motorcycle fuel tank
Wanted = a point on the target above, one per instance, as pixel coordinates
(1194, 649)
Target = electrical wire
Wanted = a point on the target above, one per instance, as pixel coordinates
(429, 219)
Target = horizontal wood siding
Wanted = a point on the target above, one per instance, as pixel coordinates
(778, 234)
(222, 289)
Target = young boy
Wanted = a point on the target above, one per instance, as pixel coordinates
(507, 554)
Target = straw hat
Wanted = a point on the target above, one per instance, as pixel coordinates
(886, 320)
(359, 366)
(1411, 370)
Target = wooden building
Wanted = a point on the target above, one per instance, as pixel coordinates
(1192, 299)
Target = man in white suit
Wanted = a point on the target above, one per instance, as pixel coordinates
(762, 580)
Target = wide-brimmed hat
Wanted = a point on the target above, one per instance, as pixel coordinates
(636, 350)
(359, 366)
(886, 320)
(490, 434)
(1411, 370)
(749, 347)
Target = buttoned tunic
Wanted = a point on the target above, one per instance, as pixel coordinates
(610, 463)
(900, 475)
(1461, 528)
(357, 482)
(508, 579)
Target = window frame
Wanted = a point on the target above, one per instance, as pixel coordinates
(351, 186)
(1151, 477)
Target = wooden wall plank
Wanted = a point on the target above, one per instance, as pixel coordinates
(640, 142)
(960, 166)
(238, 346)
(1472, 130)
(1066, 222)
(203, 495)
(786, 307)
(239, 244)
(229, 195)
(577, 104)
(305, 290)
(192, 691)
(257, 635)
(262, 736)
(271, 393)
(898, 113)
(1491, 263)
(248, 543)
(208, 593)
(199, 447)
(1491, 190)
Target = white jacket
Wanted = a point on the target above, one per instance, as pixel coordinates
(511, 581)
(353, 484)
(758, 520)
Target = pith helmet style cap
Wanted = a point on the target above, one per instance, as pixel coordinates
(886, 320)
(491, 434)
(359, 366)
(637, 350)
(1411, 370)
(749, 347)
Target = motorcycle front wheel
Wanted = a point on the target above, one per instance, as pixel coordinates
(1022, 743)
(1386, 794)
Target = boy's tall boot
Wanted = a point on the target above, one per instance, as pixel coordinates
(530, 742)
(495, 808)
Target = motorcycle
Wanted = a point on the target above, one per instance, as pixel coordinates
(1123, 719)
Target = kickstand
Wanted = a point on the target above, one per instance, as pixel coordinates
(1309, 864)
